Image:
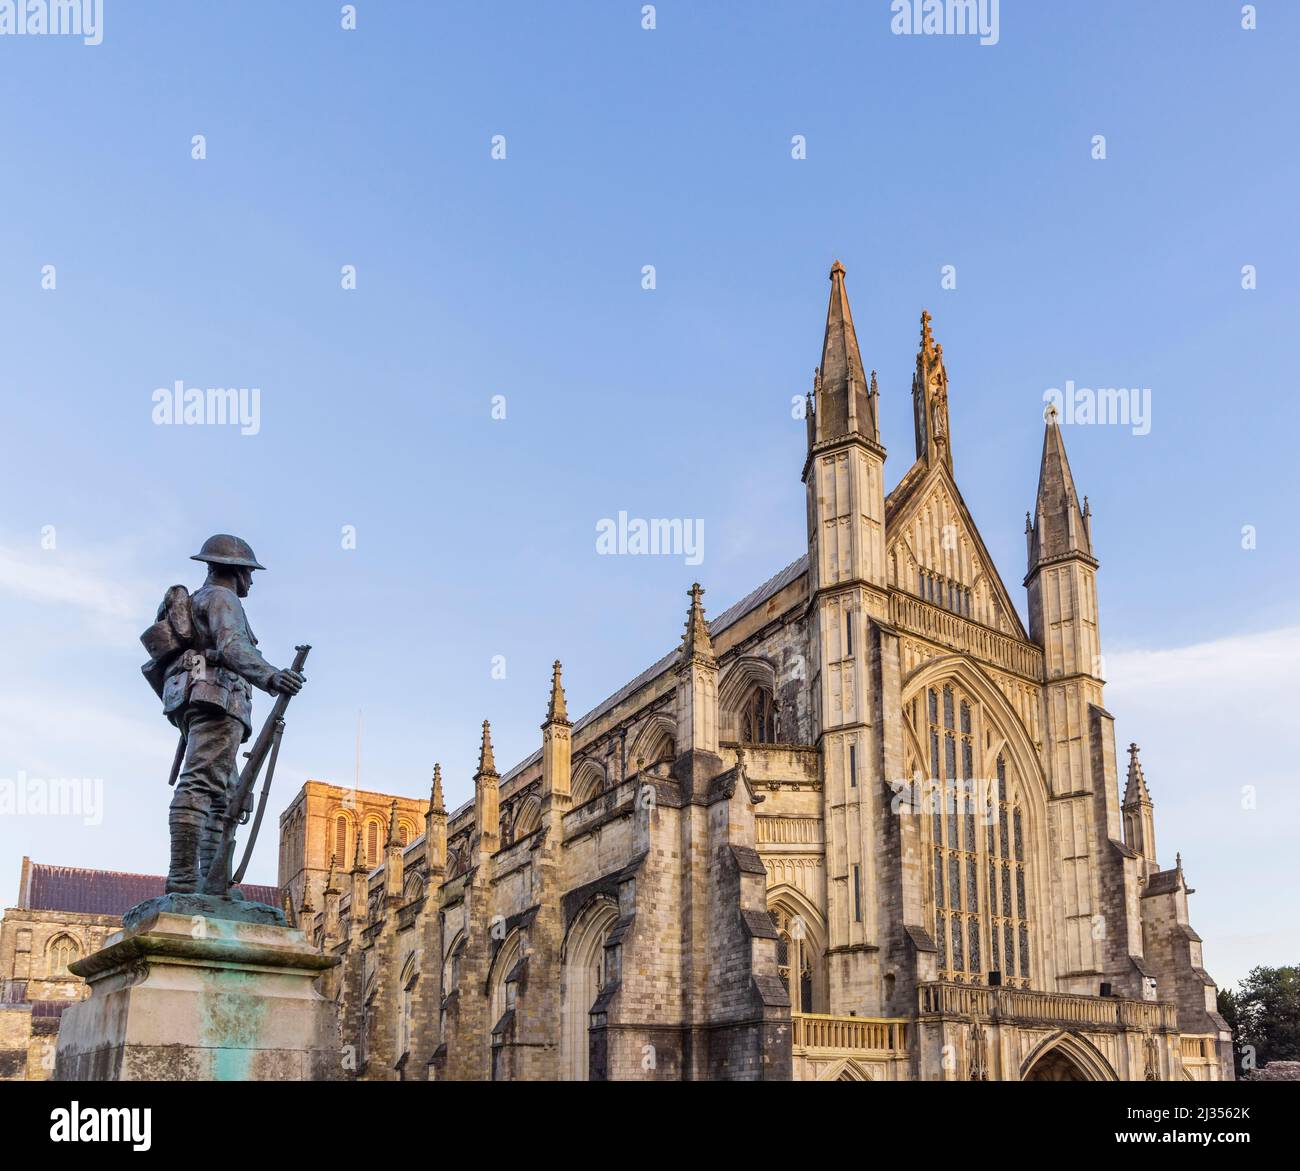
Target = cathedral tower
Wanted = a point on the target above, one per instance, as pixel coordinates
(844, 475)
(1079, 738)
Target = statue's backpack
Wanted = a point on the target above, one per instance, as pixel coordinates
(171, 635)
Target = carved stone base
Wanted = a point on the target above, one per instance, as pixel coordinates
(187, 997)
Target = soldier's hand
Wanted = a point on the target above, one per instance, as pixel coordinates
(287, 682)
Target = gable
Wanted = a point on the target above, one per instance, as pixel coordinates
(936, 552)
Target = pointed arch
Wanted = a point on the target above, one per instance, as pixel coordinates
(500, 987)
(61, 950)
(588, 781)
(413, 888)
(746, 677)
(847, 1070)
(967, 672)
(528, 819)
(655, 742)
(1075, 1051)
(981, 933)
(582, 959)
(801, 948)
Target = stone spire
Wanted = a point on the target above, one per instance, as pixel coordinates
(930, 400)
(1136, 789)
(697, 644)
(486, 763)
(487, 799)
(391, 840)
(844, 403)
(698, 759)
(360, 889)
(557, 711)
(1060, 529)
(330, 932)
(435, 827)
(1138, 813)
(557, 748)
(394, 870)
(436, 802)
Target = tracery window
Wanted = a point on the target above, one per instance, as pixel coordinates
(794, 959)
(758, 723)
(1009, 934)
(977, 848)
(63, 953)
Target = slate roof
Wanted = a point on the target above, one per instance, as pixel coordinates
(729, 617)
(107, 892)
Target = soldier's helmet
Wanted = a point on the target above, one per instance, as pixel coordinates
(223, 549)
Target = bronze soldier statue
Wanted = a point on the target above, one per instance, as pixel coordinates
(204, 666)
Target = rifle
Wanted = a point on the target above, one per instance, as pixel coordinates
(240, 802)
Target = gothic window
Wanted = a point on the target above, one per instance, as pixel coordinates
(372, 843)
(1007, 865)
(63, 953)
(794, 959)
(528, 819)
(586, 972)
(977, 848)
(409, 978)
(503, 986)
(403, 834)
(759, 718)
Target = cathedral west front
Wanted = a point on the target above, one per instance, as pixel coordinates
(864, 824)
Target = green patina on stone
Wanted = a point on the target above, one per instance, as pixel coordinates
(231, 1023)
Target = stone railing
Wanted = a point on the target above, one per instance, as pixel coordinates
(961, 634)
(1198, 1046)
(842, 1033)
(788, 831)
(1057, 1008)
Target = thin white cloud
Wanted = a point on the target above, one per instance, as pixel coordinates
(94, 594)
(1221, 754)
(86, 582)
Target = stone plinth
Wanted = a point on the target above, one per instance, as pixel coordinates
(197, 998)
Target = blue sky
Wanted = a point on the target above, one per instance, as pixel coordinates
(475, 537)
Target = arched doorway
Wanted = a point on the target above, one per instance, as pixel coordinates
(584, 977)
(1055, 1067)
(1067, 1057)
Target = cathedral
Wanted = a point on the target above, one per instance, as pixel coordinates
(863, 825)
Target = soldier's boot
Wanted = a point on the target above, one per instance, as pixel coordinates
(209, 847)
(183, 872)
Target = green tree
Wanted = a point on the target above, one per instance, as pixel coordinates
(1264, 1014)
